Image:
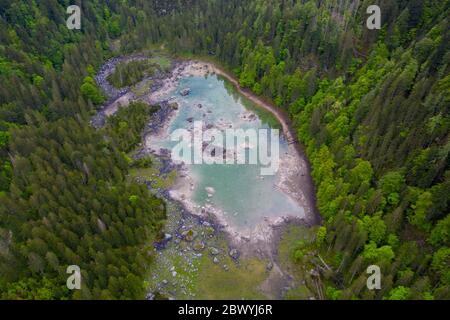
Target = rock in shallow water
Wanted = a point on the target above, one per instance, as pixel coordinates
(185, 92)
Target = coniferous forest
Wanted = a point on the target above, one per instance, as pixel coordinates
(370, 107)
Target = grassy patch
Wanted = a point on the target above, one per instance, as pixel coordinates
(291, 239)
(152, 174)
(162, 62)
(145, 173)
(240, 282)
(142, 88)
(291, 248)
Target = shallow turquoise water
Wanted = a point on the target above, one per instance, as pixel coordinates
(241, 192)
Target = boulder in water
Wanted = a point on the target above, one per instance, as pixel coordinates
(185, 92)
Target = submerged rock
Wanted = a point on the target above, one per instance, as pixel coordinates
(185, 92)
(210, 190)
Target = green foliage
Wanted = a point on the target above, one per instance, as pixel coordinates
(441, 264)
(373, 254)
(391, 184)
(83, 211)
(421, 206)
(333, 293)
(321, 235)
(33, 289)
(90, 91)
(399, 293)
(370, 108)
(375, 227)
(131, 72)
(440, 235)
(133, 199)
(126, 126)
(4, 139)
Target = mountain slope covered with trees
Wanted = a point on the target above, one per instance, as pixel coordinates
(371, 108)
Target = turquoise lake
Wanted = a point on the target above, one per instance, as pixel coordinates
(241, 193)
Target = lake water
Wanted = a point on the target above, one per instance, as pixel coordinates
(241, 193)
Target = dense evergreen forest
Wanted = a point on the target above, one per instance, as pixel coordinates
(371, 107)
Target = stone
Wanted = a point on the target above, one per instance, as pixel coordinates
(234, 254)
(225, 267)
(189, 235)
(167, 237)
(199, 246)
(174, 274)
(214, 251)
(185, 92)
(215, 260)
(269, 266)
